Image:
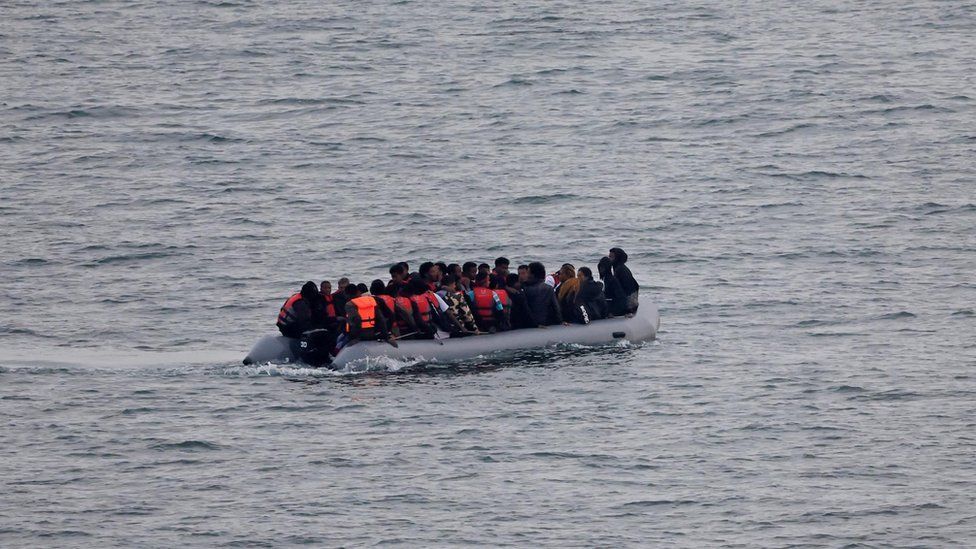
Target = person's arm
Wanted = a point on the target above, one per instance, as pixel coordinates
(384, 318)
(441, 303)
(554, 310)
(353, 321)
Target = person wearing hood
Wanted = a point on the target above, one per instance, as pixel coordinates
(616, 298)
(304, 317)
(618, 258)
(590, 303)
(302, 312)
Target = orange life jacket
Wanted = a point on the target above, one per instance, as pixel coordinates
(366, 306)
(484, 303)
(287, 309)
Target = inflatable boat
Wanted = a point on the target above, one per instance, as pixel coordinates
(640, 327)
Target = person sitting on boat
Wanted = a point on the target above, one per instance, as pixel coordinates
(304, 317)
(401, 318)
(366, 318)
(431, 274)
(458, 307)
(590, 303)
(500, 287)
(520, 316)
(302, 312)
(627, 282)
(468, 271)
(325, 290)
(428, 308)
(500, 272)
(566, 291)
(339, 297)
(543, 307)
(616, 298)
(488, 308)
(397, 279)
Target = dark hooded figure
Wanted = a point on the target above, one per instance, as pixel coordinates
(618, 258)
(302, 312)
(590, 303)
(303, 316)
(616, 298)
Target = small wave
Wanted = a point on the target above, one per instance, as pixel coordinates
(187, 445)
(544, 199)
(896, 316)
(513, 82)
(658, 502)
(927, 107)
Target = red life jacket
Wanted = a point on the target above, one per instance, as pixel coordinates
(423, 307)
(407, 304)
(390, 302)
(503, 296)
(329, 305)
(484, 303)
(432, 298)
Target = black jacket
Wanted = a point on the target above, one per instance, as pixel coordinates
(542, 304)
(592, 299)
(617, 299)
(625, 277)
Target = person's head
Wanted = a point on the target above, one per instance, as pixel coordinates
(585, 273)
(325, 288)
(513, 280)
(351, 291)
(537, 270)
(501, 265)
(362, 288)
(397, 272)
(435, 273)
(484, 268)
(481, 280)
(377, 287)
(442, 267)
(603, 267)
(425, 268)
(496, 283)
(417, 286)
(523, 273)
(618, 256)
(343, 282)
(469, 269)
(406, 268)
(449, 281)
(454, 269)
(567, 272)
(309, 290)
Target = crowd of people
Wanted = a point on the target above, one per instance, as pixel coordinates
(456, 300)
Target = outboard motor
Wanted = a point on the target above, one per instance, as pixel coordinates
(315, 347)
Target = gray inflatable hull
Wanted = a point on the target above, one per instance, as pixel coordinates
(641, 327)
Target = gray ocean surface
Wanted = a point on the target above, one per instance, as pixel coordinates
(794, 183)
